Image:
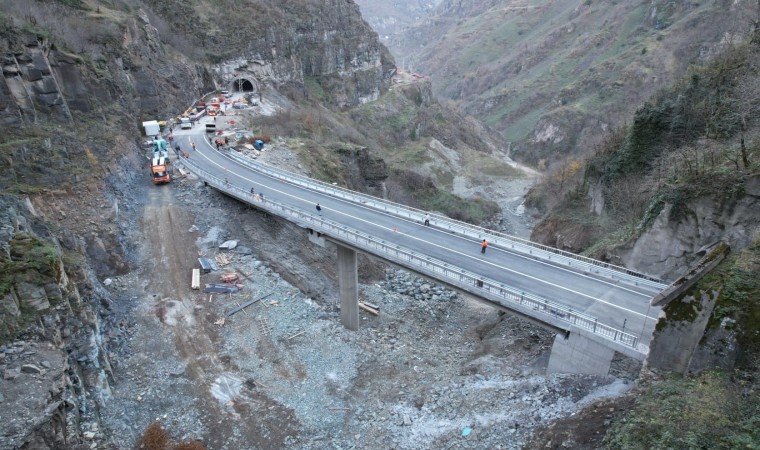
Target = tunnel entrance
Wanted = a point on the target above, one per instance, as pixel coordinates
(243, 85)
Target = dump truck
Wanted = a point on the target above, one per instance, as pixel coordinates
(159, 170)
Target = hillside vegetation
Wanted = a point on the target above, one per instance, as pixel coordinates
(554, 75)
(700, 138)
(692, 150)
(405, 146)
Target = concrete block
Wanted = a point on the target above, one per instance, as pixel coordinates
(579, 354)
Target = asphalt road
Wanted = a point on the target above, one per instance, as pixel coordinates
(617, 305)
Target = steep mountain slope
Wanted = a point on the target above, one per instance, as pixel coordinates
(390, 19)
(678, 185)
(76, 275)
(553, 75)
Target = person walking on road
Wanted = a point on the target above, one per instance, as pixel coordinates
(319, 210)
(193, 144)
(483, 246)
(427, 220)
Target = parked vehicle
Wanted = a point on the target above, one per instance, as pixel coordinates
(159, 170)
(197, 116)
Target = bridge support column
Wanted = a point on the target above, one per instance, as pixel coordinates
(348, 282)
(579, 354)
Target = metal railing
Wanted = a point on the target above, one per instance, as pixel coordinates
(495, 238)
(507, 296)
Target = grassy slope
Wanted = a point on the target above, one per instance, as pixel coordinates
(593, 61)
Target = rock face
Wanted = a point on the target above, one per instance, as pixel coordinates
(672, 244)
(40, 81)
(334, 48)
(58, 375)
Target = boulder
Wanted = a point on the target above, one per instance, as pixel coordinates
(11, 373)
(228, 245)
(32, 296)
(30, 368)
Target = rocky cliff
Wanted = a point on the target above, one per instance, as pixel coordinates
(285, 45)
(44, 80)
(674, 241)
(77, 80)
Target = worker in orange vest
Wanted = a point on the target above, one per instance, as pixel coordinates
(483, 246)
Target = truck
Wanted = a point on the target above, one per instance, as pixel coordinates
(159, 169)
(185, 123)
(197, 116)
(213, 108)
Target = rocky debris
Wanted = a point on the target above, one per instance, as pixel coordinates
(431, 364)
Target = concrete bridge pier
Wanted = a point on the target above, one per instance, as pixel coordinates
(575, 353)
(348, 284)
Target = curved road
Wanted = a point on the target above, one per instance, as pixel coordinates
(618, 305)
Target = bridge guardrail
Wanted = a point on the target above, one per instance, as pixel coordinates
(494, 238)
(501, 293)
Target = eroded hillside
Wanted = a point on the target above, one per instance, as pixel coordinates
(554, 75)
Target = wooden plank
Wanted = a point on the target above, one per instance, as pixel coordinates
(372, 305)
(370, 310)
(196, 280)
(296, 335)
(247, 304)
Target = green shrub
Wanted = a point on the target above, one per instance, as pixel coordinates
(704, 412)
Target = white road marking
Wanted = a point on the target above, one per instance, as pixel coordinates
(422, 240)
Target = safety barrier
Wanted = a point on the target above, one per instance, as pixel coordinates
(494, 238)
(500, 293)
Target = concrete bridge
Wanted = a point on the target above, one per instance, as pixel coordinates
(596, 309)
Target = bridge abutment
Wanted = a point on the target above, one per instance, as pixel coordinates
(348, 284)
(579, 354)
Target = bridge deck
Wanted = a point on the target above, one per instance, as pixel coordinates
(615, 304)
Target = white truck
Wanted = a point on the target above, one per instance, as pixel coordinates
(185, 123)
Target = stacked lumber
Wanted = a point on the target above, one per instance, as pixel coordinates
(222, 260)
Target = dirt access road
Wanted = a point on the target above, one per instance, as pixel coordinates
(174, 365)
